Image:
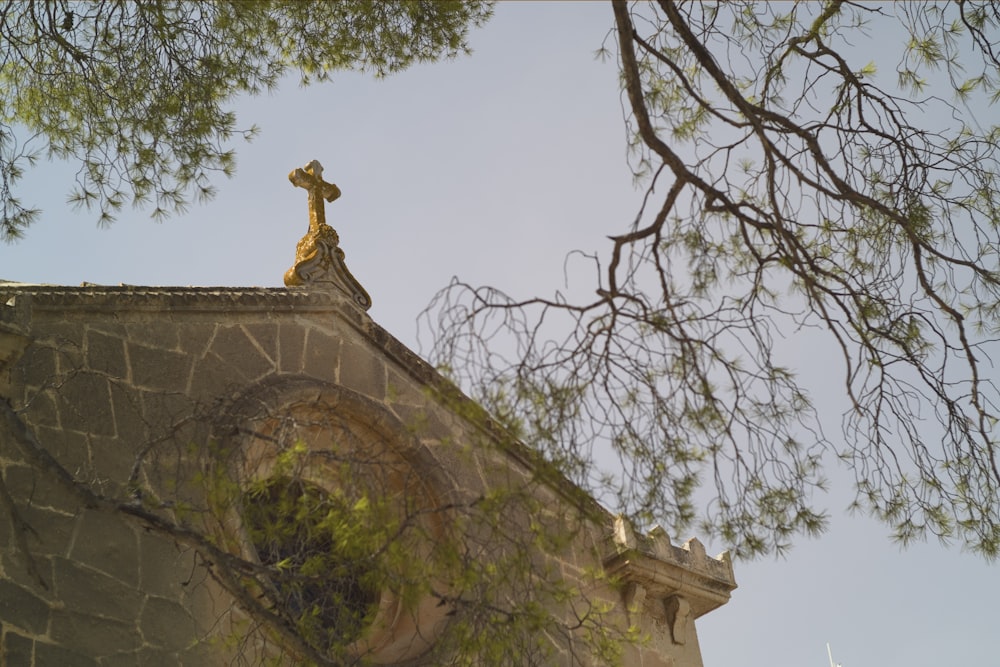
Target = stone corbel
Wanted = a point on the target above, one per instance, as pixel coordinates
(673, 610)
(634, 596)
(670, 584)
(678, 612)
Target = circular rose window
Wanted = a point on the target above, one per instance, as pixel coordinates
(325, 586)
(337, 506)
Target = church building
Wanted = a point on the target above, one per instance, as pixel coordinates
(263, 476)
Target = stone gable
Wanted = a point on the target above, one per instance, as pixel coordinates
(147, 397)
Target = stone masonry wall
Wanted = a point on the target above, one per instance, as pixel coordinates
(118, 384)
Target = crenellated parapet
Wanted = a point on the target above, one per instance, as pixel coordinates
(668, 583)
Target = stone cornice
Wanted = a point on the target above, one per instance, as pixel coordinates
(661, 570)
(127, 297)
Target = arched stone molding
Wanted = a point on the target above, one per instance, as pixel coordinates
(349, 445)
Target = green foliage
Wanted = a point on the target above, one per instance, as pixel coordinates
(320, 548)
(323, 539)
(138, 93)
(513, 605)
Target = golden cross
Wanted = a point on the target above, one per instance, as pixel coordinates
(310, 177)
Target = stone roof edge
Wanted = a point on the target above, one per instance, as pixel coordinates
(450, 394)
(86, 297)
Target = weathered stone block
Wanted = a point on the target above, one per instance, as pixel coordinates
(18, 651)
(53, 654)
(165, 569)
(152, 657)
(23, 609)
(213, 378)
(165, 410)
(30, 486)
(157, 369)
(422, 422)
(291, 347)
(205, 599)
(265, 335)
(130, 659)
(111, 460)
(107, 543)
(362, 371)
(92, 636)
(130, 427)
(106, 354)
(37, 366)
(87, 591)
(232, 346)
(322, 354)
(70, 449)
(107, 326)
(15, 569)
(157, 333)
(203, 654)
(6, 534)
(166, 624)
(196, 337)
(39, 407)
(85, 404)
(66, 338)
(54, 530)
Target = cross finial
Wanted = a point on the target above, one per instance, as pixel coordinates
(319, 261)
(310, 177)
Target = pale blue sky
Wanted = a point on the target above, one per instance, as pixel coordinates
(492, 168)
